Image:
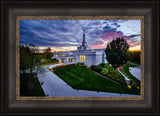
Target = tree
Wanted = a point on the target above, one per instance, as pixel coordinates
(47, 53)
(28, 59)
(25, 58)
(30, 65)
(117, 52)
(135, 56)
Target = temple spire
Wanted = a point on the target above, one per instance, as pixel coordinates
(84, 43)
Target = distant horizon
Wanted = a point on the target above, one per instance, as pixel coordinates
(42, 50)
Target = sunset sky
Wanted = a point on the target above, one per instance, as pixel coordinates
(62, 35)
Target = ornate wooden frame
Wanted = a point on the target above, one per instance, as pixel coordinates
(13, 106)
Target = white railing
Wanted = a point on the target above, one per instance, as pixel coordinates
(128, 81)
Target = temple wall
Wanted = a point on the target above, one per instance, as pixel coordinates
(92, 57)
(88, 60)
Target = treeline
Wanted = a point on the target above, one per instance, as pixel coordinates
(28, 59)
(135, 56)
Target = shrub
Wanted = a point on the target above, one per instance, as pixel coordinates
(80, 64)
(102, 65)
(106, 66)
(96, 68)
(110, 69)
(55, 59)
(104, 71)
(93, 67)
(134, 86)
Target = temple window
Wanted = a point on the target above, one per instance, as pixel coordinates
(82, 58)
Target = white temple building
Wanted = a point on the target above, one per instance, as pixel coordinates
(83, 54)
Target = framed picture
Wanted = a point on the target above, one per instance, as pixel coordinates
(87, 58)
(73, 58)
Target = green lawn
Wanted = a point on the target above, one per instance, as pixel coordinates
(126, 72)
(30, 86)
(84, 79)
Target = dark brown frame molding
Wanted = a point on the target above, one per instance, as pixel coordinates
(150, 103)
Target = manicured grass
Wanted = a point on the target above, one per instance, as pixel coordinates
(82, 78)
(126, 72)
(30, 86)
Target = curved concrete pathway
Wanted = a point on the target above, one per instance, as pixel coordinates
(136, 72)
(54, 86)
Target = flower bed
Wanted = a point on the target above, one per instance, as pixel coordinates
(89, 67)
(108, 71)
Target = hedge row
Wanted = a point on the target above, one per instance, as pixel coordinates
(96, 68)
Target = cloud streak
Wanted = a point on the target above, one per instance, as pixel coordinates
(69, 33)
